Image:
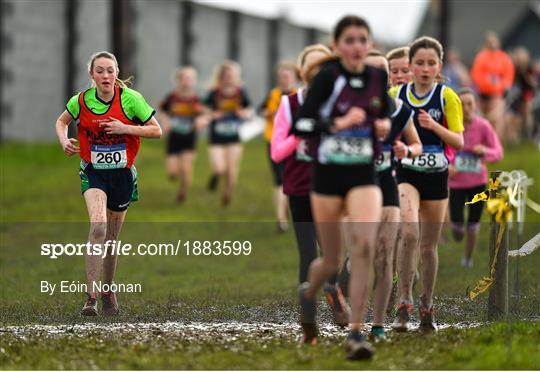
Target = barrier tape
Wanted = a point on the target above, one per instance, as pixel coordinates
(533, 205)
(500, 207)
(486, 282)
(484, 195)
(527, 248)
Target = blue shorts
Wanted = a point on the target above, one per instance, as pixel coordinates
(120, 185)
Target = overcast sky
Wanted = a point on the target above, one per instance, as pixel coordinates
(392, 21)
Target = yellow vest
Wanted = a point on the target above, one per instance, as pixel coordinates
(272, 105)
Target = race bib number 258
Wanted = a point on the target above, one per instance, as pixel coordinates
(427, 162)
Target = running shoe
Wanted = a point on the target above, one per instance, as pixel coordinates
(90, 306)
(213, 182)
(308, 313)
(427, 318)
(282, 226)
(403, 317)
(109, 303)
(225, 200)
(181, 196)
(357, 347)
(377, 334)
(338, 305)
(466, 262)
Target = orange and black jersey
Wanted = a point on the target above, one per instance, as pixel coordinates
(217, 100)
(176, 105)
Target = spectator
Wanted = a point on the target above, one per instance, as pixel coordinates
(493, 75)
(455, 72)
(536, 103)
(523, 91)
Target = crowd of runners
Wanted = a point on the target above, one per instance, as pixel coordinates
(367, 150)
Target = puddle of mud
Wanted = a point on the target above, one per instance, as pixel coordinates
(189, 331)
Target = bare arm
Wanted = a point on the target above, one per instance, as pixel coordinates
(414, 144)
(244, 113)
(150, 130)
(68, 144)
(413, 139)
(454, 139)
(165, 120)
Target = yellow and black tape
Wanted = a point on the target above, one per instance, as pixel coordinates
(500, 207)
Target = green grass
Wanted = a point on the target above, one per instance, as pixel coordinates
(39, 183)
(499, 346)
(41, 202)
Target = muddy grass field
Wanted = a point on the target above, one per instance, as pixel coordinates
(221, 312)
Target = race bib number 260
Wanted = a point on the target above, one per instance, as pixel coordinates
(109, 156)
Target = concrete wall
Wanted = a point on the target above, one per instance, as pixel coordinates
(209, 29)
(34, 95)
(33, 79)
(93, 35)
(292, 40)
(324, 37)
(254, 57)
(157, 51)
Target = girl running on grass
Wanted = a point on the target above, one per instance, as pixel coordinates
(468, 173)
(230, 107)
(297, 155)
(423, 181)
(399, 73)
(392, 146)
(110, 118)
(286, 75)
(180, 115)
(345, 101)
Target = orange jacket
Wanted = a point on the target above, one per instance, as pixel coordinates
(492, 72)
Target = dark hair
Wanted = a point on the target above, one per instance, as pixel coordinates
(464, 91)
(347, 21)
(426, 42)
